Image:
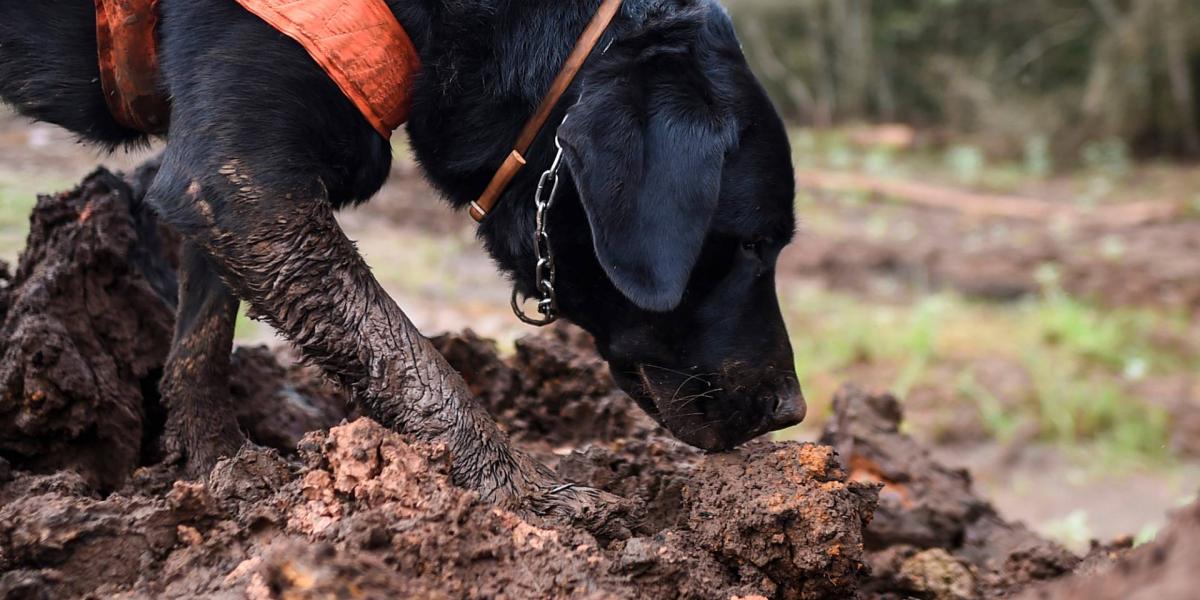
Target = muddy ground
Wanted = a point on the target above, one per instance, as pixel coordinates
(329, 505)
(876, 247)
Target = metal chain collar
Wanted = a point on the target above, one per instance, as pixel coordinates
(545, 272)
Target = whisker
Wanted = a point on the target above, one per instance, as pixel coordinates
(687, 400)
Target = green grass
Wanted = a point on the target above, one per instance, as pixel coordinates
(1081, 361)
(17, 198)
(249, 331)
(956, 164)
(18, 195)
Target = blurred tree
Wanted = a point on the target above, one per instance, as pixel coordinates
(1075, 72)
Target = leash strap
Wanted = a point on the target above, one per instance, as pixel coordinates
(516, 159)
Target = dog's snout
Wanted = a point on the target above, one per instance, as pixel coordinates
(789, 407)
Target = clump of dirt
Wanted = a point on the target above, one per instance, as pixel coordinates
(554, 391)
(932, 534)
(86, 326)
(88, 321)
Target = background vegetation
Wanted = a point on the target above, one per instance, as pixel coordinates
(1075, 78)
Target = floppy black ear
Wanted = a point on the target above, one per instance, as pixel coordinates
(645, 146)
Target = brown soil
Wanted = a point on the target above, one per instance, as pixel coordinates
(1154, 264)
(1163, 570)
(932, 534)
(87, 322)
(357, 511)
(88, 316)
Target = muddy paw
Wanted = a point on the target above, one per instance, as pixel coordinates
(197, 455)
(602, 514)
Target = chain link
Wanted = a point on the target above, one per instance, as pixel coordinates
(545, 271)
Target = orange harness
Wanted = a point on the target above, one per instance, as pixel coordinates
(129, 63)
(358, 43)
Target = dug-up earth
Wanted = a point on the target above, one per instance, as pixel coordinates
(327, 505)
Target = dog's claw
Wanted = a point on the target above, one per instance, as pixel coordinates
(602, 514)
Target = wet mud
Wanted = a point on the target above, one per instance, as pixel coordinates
(325, 504)
(1115, 264)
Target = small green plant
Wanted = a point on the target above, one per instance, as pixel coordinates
(1073, 531)
(1074, 410)
(1121, 339)
(967, 163)
(918, 339)
(999, 420)
(1079, 360)
(1039, 162)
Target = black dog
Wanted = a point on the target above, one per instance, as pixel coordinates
(666, 242)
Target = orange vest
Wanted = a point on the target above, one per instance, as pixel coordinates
(129, 63)
(358, 43)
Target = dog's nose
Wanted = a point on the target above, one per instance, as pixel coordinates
(789, 406)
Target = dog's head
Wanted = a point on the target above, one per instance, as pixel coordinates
(684, 181)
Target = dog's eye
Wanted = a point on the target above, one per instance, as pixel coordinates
(753, 247)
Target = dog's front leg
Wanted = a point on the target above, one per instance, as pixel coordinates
(201, 426)
(282, 251)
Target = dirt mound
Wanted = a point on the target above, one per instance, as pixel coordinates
(1166, 569)
(554, 391)
(85, 326)
(88, 319)
(932, 534)
(359, 511)
(362, 513)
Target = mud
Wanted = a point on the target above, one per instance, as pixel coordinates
(87, 322)
(1165, 569)
(324, 507)
(932, 534)
(1153, 264)
(554, 392)
(88, 314)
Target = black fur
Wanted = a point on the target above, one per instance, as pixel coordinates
(667, 250)
(49, 70)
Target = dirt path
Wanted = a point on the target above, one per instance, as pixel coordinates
(878, 248)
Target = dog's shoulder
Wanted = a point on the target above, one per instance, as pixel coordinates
(240, 87)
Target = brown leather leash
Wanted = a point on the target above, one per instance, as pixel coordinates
(516, 159)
